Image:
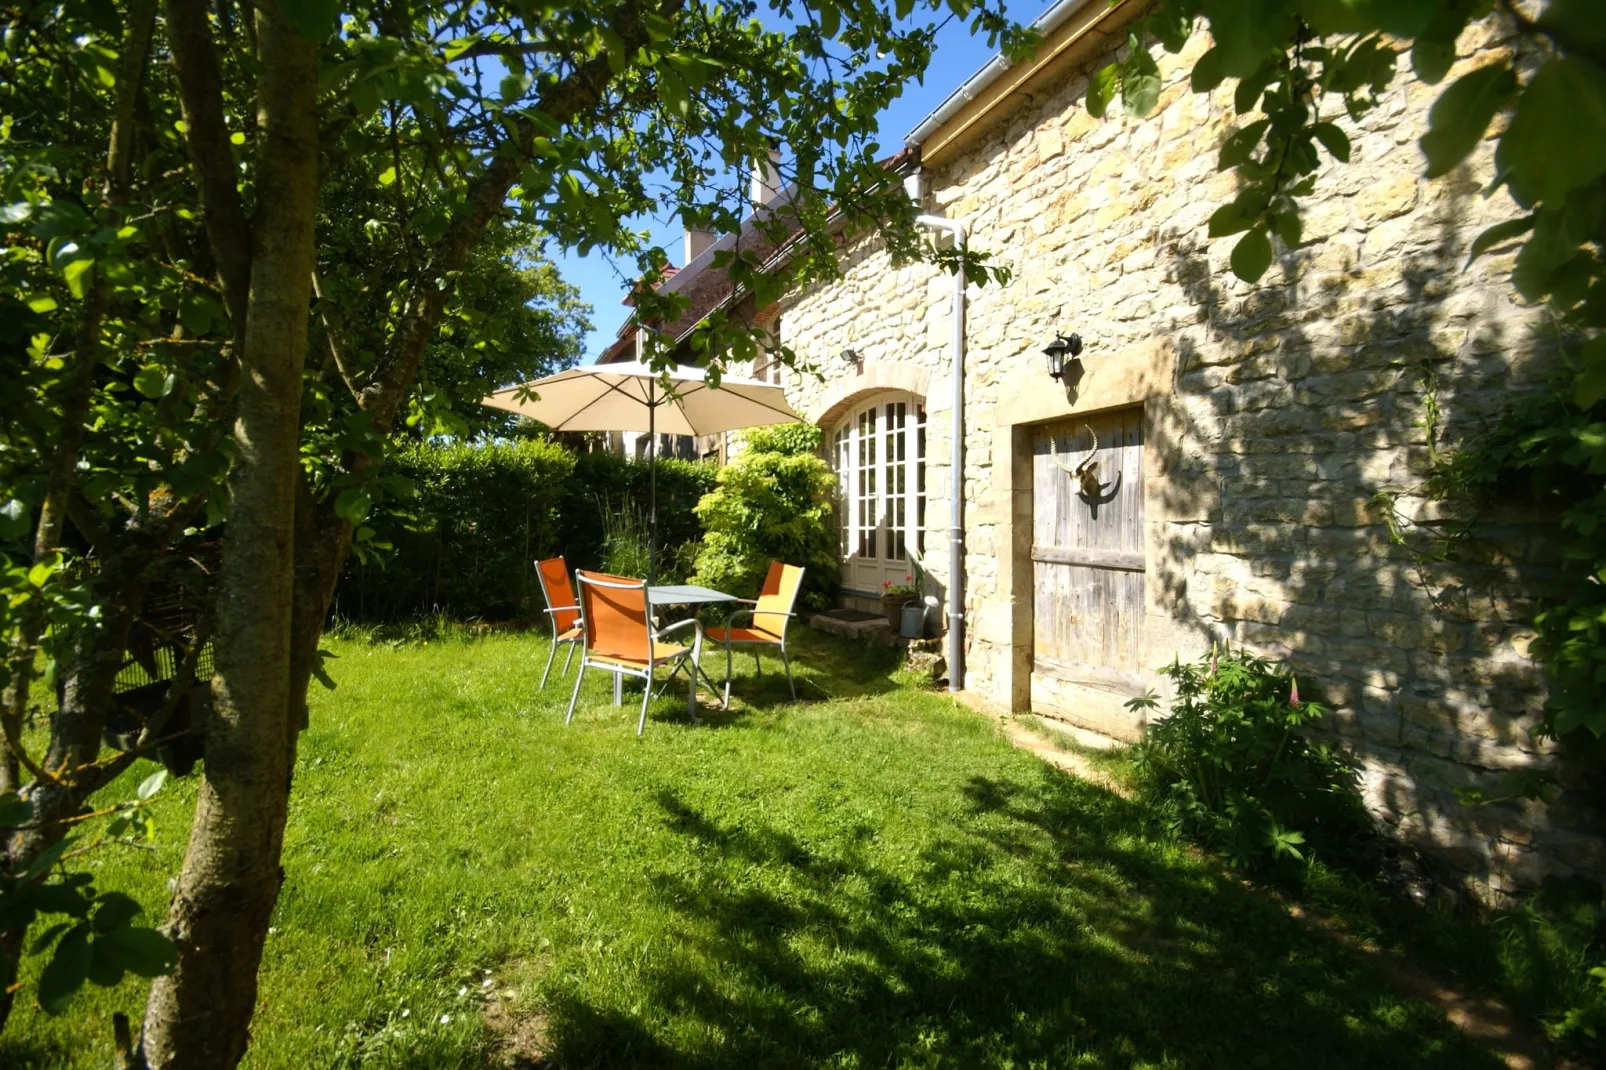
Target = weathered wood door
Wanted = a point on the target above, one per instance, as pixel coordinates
(1087, 553)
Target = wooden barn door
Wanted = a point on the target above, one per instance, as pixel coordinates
(1088, 566)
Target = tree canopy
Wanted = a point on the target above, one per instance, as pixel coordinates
(247, 243)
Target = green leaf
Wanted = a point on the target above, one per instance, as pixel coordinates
(1288, 228)
(151, 785)
(154, 381)
(195, 312)
(313, 19)
(1140, 80)
(1101, 89)
(353, 503)
(15, 519)
(1208, 72)
(1252, 255)
(1462, 113)
(830, 17)
(1557, 139)
(76, 272)
(1333, 139)
(387, 177)
(144, 951)
(1498, 234)
(1591, 385)
(66, 971)
(41, 303)
(1241, 144)
(14, 810)
(47, 858)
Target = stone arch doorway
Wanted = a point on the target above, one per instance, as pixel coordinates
(878, 449)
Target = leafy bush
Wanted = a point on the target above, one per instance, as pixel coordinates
(772, 503)
(1232, 765)
(465, 544)
(95, 939)
(603, 482)
(626, 530)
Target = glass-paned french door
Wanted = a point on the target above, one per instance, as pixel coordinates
(879, 453)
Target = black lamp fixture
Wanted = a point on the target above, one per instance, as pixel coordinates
(1058, 349)
(850, 356)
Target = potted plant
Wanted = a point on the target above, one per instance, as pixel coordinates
(894, 596)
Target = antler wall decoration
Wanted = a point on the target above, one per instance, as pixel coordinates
(1086, 473)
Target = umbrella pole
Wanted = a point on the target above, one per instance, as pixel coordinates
(652, 483)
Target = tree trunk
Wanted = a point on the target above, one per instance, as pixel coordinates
(200, 1015)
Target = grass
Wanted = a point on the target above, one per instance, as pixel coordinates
(1535, 955)
(872, 877)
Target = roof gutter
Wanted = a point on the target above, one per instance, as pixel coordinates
(1045, 24)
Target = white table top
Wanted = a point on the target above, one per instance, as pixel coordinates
(685, 594)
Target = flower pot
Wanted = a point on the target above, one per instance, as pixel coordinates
(914, 621)
(892, 606)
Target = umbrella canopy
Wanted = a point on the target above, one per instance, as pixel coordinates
(630, 397)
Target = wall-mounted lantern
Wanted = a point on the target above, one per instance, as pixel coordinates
(850, 356)
(1061, 347)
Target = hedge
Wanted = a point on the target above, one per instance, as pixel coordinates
(466, 544)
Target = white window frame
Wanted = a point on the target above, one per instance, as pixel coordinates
(878, 452)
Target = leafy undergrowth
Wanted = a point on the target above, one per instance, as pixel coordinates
(1536, 955)
(871, 877)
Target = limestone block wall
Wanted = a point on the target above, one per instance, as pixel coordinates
(1287, 425)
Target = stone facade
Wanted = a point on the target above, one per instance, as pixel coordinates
(1281, 422)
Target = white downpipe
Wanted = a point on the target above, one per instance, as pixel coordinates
(956, 516)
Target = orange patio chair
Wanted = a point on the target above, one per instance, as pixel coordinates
(562, 610)
(620, 638)
(770, 614)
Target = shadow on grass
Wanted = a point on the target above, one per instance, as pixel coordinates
(1041, 929)
(824, 668)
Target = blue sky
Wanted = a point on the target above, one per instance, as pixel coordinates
(958, 55)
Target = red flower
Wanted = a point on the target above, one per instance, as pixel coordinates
(1293, 693)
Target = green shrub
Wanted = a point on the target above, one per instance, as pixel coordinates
(465, 545)
(1232, 765)
(603, 482)
(772, 503)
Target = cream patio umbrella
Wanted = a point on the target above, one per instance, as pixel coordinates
(630, 396)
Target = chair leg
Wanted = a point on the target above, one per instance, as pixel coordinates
(551, 655)
(758, 667)
(646, 696)
(568, 658)
(578, 677)
(619, 689)
(786, 661)
(691, 694)
(727, 699)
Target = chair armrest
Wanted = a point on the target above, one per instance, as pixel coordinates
(560, 609)
(659, 633)
(731, 620)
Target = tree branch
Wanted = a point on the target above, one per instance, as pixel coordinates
(207, 137)
(336, 339)
(564, 99)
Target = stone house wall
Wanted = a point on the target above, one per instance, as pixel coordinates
(1279, 420)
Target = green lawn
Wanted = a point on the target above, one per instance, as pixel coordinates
(869, 878)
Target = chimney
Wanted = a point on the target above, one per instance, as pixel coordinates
(697, 241)
(766, 184)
